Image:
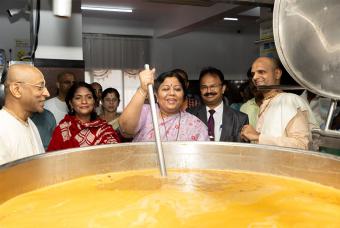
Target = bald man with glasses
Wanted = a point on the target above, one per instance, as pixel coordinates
(25, 93)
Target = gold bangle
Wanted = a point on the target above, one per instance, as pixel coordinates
(142, 92)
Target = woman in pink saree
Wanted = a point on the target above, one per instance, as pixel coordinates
(174, 124)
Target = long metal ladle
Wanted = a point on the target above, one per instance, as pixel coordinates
(160, 153)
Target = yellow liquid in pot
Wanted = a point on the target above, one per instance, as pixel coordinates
(197, 198)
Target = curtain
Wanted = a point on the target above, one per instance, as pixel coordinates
(115, 52)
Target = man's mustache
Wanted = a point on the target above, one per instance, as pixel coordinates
(209, 94)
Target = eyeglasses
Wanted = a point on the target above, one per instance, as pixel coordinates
(212, 87)
(40, 86)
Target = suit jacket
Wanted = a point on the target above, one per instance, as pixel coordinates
(232, 121)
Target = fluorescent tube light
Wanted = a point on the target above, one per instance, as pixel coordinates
(109, 9)
(230, 19)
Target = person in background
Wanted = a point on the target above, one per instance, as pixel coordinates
(190, 100)
(335, 125)
(57, 104)
(110, 102)
(245, 92)
(234, 95)
(98, 89)
(252, 106)
(285, 119)
(46, 124)
(336, 122)
(319, 105)
(81, 127)
(174, 124)
(224, 123)
(25, 93)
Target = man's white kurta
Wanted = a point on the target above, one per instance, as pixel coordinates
(57, 107)
(17, 140)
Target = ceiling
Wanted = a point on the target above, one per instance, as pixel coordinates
(171, 18)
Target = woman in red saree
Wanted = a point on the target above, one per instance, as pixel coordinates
(81, 127)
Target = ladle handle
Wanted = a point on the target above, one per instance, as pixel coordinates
(160, 153)
(331, 110)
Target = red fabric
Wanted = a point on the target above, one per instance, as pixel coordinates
(71, 133)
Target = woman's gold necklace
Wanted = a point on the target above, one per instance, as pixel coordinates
(179, 126)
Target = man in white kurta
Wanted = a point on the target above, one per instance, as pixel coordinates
(57, 105)
(284, 119)
(17, 139)
(319, 105)
(25, 93)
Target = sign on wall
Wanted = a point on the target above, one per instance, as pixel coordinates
(22, 50)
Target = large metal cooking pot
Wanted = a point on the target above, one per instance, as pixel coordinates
(43, 170)
(2, 95)
(307, 37)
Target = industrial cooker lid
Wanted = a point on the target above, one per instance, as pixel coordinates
(307, 39)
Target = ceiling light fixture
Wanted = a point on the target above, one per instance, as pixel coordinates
(109, 9)
(62, 8)
(230, 19)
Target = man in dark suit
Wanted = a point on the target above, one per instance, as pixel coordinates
(224, 123)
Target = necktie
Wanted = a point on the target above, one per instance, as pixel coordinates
(211, 125)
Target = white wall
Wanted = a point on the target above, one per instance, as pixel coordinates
(14, 28)
(117, 27)
(11, 32)
(60, 38)
(231, 52)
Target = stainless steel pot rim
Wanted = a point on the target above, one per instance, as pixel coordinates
(181, 143)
